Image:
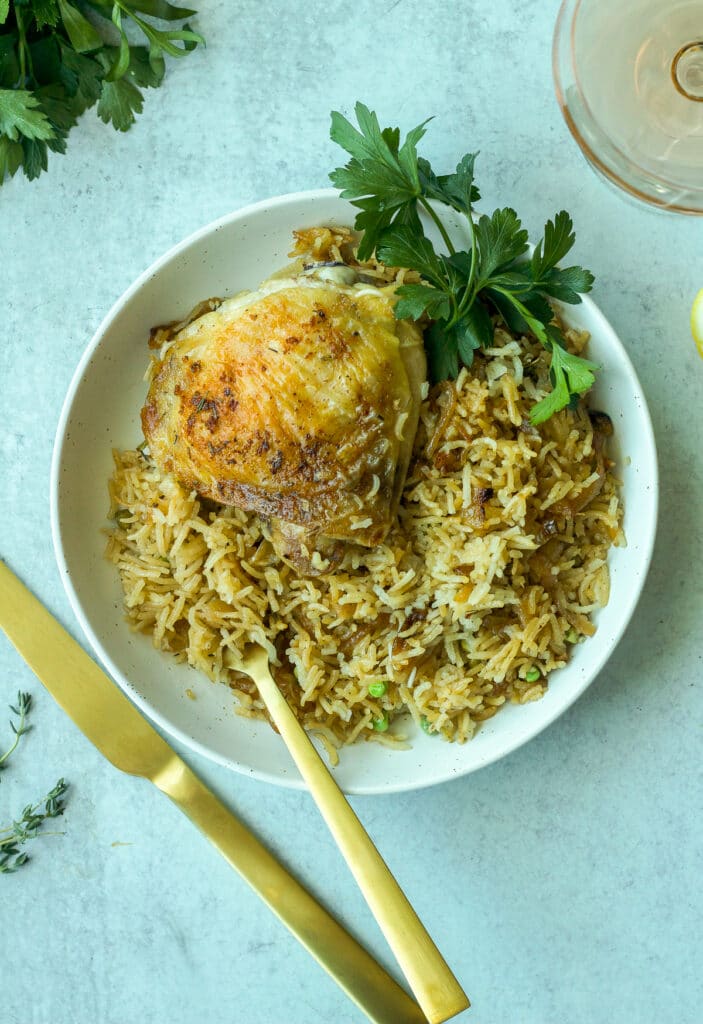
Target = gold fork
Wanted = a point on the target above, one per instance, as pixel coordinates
(432, 982)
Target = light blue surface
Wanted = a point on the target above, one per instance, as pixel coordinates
(562, 884)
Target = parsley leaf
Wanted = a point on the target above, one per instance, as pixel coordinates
(83, 37)
(456, 190)
(404, 247)
(571, 375)
(81, 77)
(383, 178)
(561, 284)
(379, 166)
(20, 116)
(147, 69)
(391, 185)
(34, 157)
(558, 239)
(119, 102)
(416, 299)
(45, 12)
(501, 239)
(442, 349)
(474, 331)
(11, 157)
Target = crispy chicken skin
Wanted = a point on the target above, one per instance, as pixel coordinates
(299, 402)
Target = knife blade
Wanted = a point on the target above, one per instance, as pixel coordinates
(122, 735)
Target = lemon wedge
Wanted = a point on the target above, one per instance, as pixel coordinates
(697, 321)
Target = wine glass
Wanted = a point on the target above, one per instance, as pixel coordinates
(629, 81)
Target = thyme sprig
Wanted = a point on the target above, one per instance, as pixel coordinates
(21, 712)
(29, 826)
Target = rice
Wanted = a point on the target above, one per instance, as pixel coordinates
(491, 574)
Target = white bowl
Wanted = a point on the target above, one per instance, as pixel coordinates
(101, 412)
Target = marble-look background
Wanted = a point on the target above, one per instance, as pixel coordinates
(563, 884)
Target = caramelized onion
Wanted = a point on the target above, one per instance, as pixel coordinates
(445, 388)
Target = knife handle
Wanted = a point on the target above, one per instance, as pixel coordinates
(355, 971)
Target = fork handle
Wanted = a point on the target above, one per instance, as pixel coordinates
(436, 989)
(355, 971)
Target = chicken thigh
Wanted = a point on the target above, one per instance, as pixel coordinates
(299, 402)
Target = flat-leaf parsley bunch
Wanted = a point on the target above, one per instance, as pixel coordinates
(390, 184)
(58, 58)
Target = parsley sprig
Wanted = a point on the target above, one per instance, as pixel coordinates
(58, 59)
(30, 823)
(462, 289)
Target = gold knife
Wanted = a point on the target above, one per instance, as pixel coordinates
(105, 715)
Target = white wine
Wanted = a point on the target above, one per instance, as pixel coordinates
(629, 78)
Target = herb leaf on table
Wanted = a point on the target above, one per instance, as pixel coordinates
(21, 713)
(461, 290)
(29, 826)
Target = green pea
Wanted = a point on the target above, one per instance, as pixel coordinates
(532, 675)
(378, 689)
(381, 724)
(572, 636)
(425, 725)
